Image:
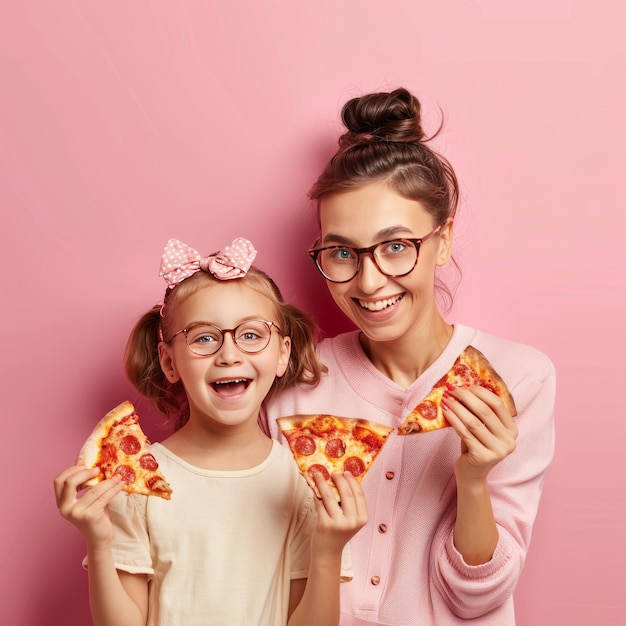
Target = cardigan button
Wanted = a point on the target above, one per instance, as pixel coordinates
(382, 528)
(375, 580)
(389, 475)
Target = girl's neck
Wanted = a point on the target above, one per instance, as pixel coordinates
(406, 359)
(226, 449)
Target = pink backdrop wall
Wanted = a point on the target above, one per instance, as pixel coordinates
(124, 124)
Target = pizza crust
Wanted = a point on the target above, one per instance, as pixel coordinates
(118, 445)
(481, 365)
(88, 455)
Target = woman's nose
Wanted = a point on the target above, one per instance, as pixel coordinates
(369, 277)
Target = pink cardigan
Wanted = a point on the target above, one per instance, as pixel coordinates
(407, 571)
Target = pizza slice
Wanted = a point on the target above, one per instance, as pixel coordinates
(470, 368)
(117, 445)
(328, 444)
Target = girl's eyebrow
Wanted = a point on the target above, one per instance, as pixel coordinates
(381, 235)
(243, 320)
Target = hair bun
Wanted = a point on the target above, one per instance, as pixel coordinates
(393, 116)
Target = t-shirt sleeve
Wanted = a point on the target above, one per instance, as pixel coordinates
(300, 546)
(515, 486)
(301, 543)
(346, 564)
(131, 545)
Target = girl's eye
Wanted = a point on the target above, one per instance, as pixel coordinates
(203, 337)
(248, 335)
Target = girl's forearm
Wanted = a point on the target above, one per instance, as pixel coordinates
(319, 605)
(110, 603)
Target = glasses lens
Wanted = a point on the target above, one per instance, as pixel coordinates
(252, 336)
(204, 339)
(338, 264)
(393, 258)
(396, 258)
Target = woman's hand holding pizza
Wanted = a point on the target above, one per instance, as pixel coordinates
(338, 522)
(485, 426)
(88, 512)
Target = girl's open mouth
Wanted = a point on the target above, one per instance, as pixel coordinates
(228, 388)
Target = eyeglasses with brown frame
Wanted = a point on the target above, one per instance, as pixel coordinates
(250, 337)
(393, 258)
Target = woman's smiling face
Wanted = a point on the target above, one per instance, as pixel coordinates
(384, 308)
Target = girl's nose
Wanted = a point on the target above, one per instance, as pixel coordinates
(229, 352)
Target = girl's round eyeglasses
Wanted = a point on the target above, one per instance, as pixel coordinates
(250, 337)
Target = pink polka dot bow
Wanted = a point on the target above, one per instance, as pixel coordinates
(179, 261)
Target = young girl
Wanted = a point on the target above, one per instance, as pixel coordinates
(243, 540)
(452, 510)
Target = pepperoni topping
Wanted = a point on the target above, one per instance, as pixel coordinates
(335, 449)
(373, 442)
(130, 445)
(464, 375)
(148, 462)
(304, 445)
(367, 438)
(127, 473)
(427, 409)
(354, 465)
(154, 481)
(319, 469)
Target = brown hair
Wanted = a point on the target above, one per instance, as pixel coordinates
(142, 356)
(385, 142)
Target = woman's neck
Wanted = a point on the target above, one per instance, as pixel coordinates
(406, 359)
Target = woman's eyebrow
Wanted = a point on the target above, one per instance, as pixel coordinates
(331, 238)
(381, 235)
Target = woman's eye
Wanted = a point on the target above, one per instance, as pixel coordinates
(342, 254)
(395, 247)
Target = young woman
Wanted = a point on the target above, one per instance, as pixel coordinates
(451, 511)
(243, 540)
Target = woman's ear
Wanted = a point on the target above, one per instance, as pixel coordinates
(283, 357)
(166, 359)
(445, 242)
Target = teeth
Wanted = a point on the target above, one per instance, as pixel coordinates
(379, 305)
(230, 382)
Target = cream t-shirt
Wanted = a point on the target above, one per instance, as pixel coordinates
(224, 549)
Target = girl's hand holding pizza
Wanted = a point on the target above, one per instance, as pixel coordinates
(338, 522)
(87, 512)
(485, 426)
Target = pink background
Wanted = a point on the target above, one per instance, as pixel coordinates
(125, 123)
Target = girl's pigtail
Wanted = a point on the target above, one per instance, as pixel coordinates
(143, 368)
(304, 365)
